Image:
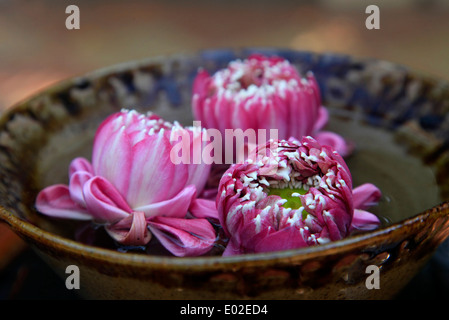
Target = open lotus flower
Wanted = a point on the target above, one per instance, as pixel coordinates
(134, 189)
(263, 93)
(291, 194)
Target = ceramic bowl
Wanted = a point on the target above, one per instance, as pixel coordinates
(398, 120)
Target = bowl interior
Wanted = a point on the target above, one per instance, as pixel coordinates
(394, 116)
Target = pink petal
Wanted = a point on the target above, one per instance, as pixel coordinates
(131, 230)
(201, 83)
(184, 237)
(55, 201)
(198, 173)
(153, 176)
(113, 159)
(322, 120)
(177, 206)
(200, 93)
(333, 225)
(209, 193)
(303, 112)
(76, 185)
(275, 115)
(103, 133)
(364, 220)
(335, 141)
(285, 239)
(314, 86)
(80, 164)
(103, 201)
(246, 233)
(365, 196)
(232, 249)
(203, 208)
(206, 111)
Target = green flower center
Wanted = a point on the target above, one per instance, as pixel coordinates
(293, 202)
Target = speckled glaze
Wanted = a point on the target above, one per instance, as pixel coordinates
(396, 117)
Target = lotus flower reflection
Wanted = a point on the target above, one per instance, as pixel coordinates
(263, 93)
(291, 194)
(133, 188)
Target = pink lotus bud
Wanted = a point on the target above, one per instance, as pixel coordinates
(299, 194)
(133, 187)
(263, 93)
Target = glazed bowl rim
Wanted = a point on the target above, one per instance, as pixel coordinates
(29, 231)
(53, 241)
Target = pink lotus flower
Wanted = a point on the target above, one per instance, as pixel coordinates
(134, 189)
(263, 93)
(291, 194)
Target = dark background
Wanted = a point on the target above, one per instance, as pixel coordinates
(37, 50)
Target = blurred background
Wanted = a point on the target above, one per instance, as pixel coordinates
(36, 50)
